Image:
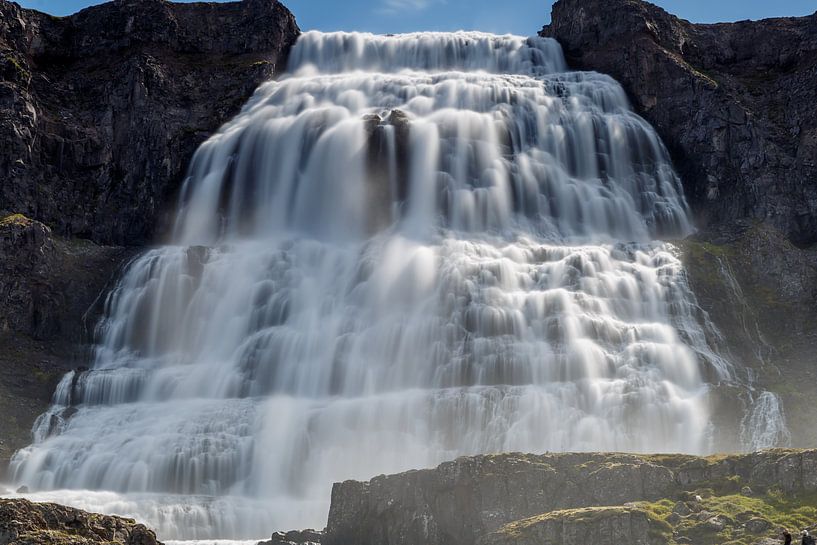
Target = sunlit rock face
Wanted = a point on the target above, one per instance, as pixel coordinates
(409, 249)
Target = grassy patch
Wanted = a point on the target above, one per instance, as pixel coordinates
(18, 66)
(732, 512)
(15, 219)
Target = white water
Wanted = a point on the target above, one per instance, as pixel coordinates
(349, 295)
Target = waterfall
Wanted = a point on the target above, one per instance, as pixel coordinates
(407, 249)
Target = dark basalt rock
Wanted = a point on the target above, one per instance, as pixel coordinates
(48, 284)
(760, 290)
(25, 523)
(733, 102)
(100, 112)
(52, 291)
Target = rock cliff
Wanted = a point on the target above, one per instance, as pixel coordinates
(52, 291)
(581, 498)
(733, 102)
(101, 111)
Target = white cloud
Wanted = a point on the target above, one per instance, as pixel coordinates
(395, 7)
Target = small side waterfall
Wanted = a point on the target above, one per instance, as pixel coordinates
(409, 249)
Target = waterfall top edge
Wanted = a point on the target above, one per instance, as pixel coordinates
(337, 52)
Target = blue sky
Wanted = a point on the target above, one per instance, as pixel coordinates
(515, 16)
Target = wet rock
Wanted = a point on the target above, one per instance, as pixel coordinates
(759, 290)
(48, 283)
(295, 537)
(102, 110)
(25, 523)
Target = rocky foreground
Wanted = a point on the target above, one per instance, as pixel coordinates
(25, 523)
(521, 499)
(566, 499)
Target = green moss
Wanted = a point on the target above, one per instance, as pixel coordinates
(669, 460)
(10, 58)
(42, 376)
(15, 219)
(793, 511)
(659, 528)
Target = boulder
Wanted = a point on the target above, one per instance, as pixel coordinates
(295, 537)
(25, 523)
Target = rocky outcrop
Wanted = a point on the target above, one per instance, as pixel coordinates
(295, 537)
(576, 498)
(596, 525)
(25, 523)
(100, 112)
(52, 291)
(47, 283)
(733, 102)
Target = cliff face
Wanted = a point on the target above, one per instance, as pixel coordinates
(52, 291)
(606, 499)
(101, 111)
(733, 102)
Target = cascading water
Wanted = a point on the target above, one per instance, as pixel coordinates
(409, 249)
